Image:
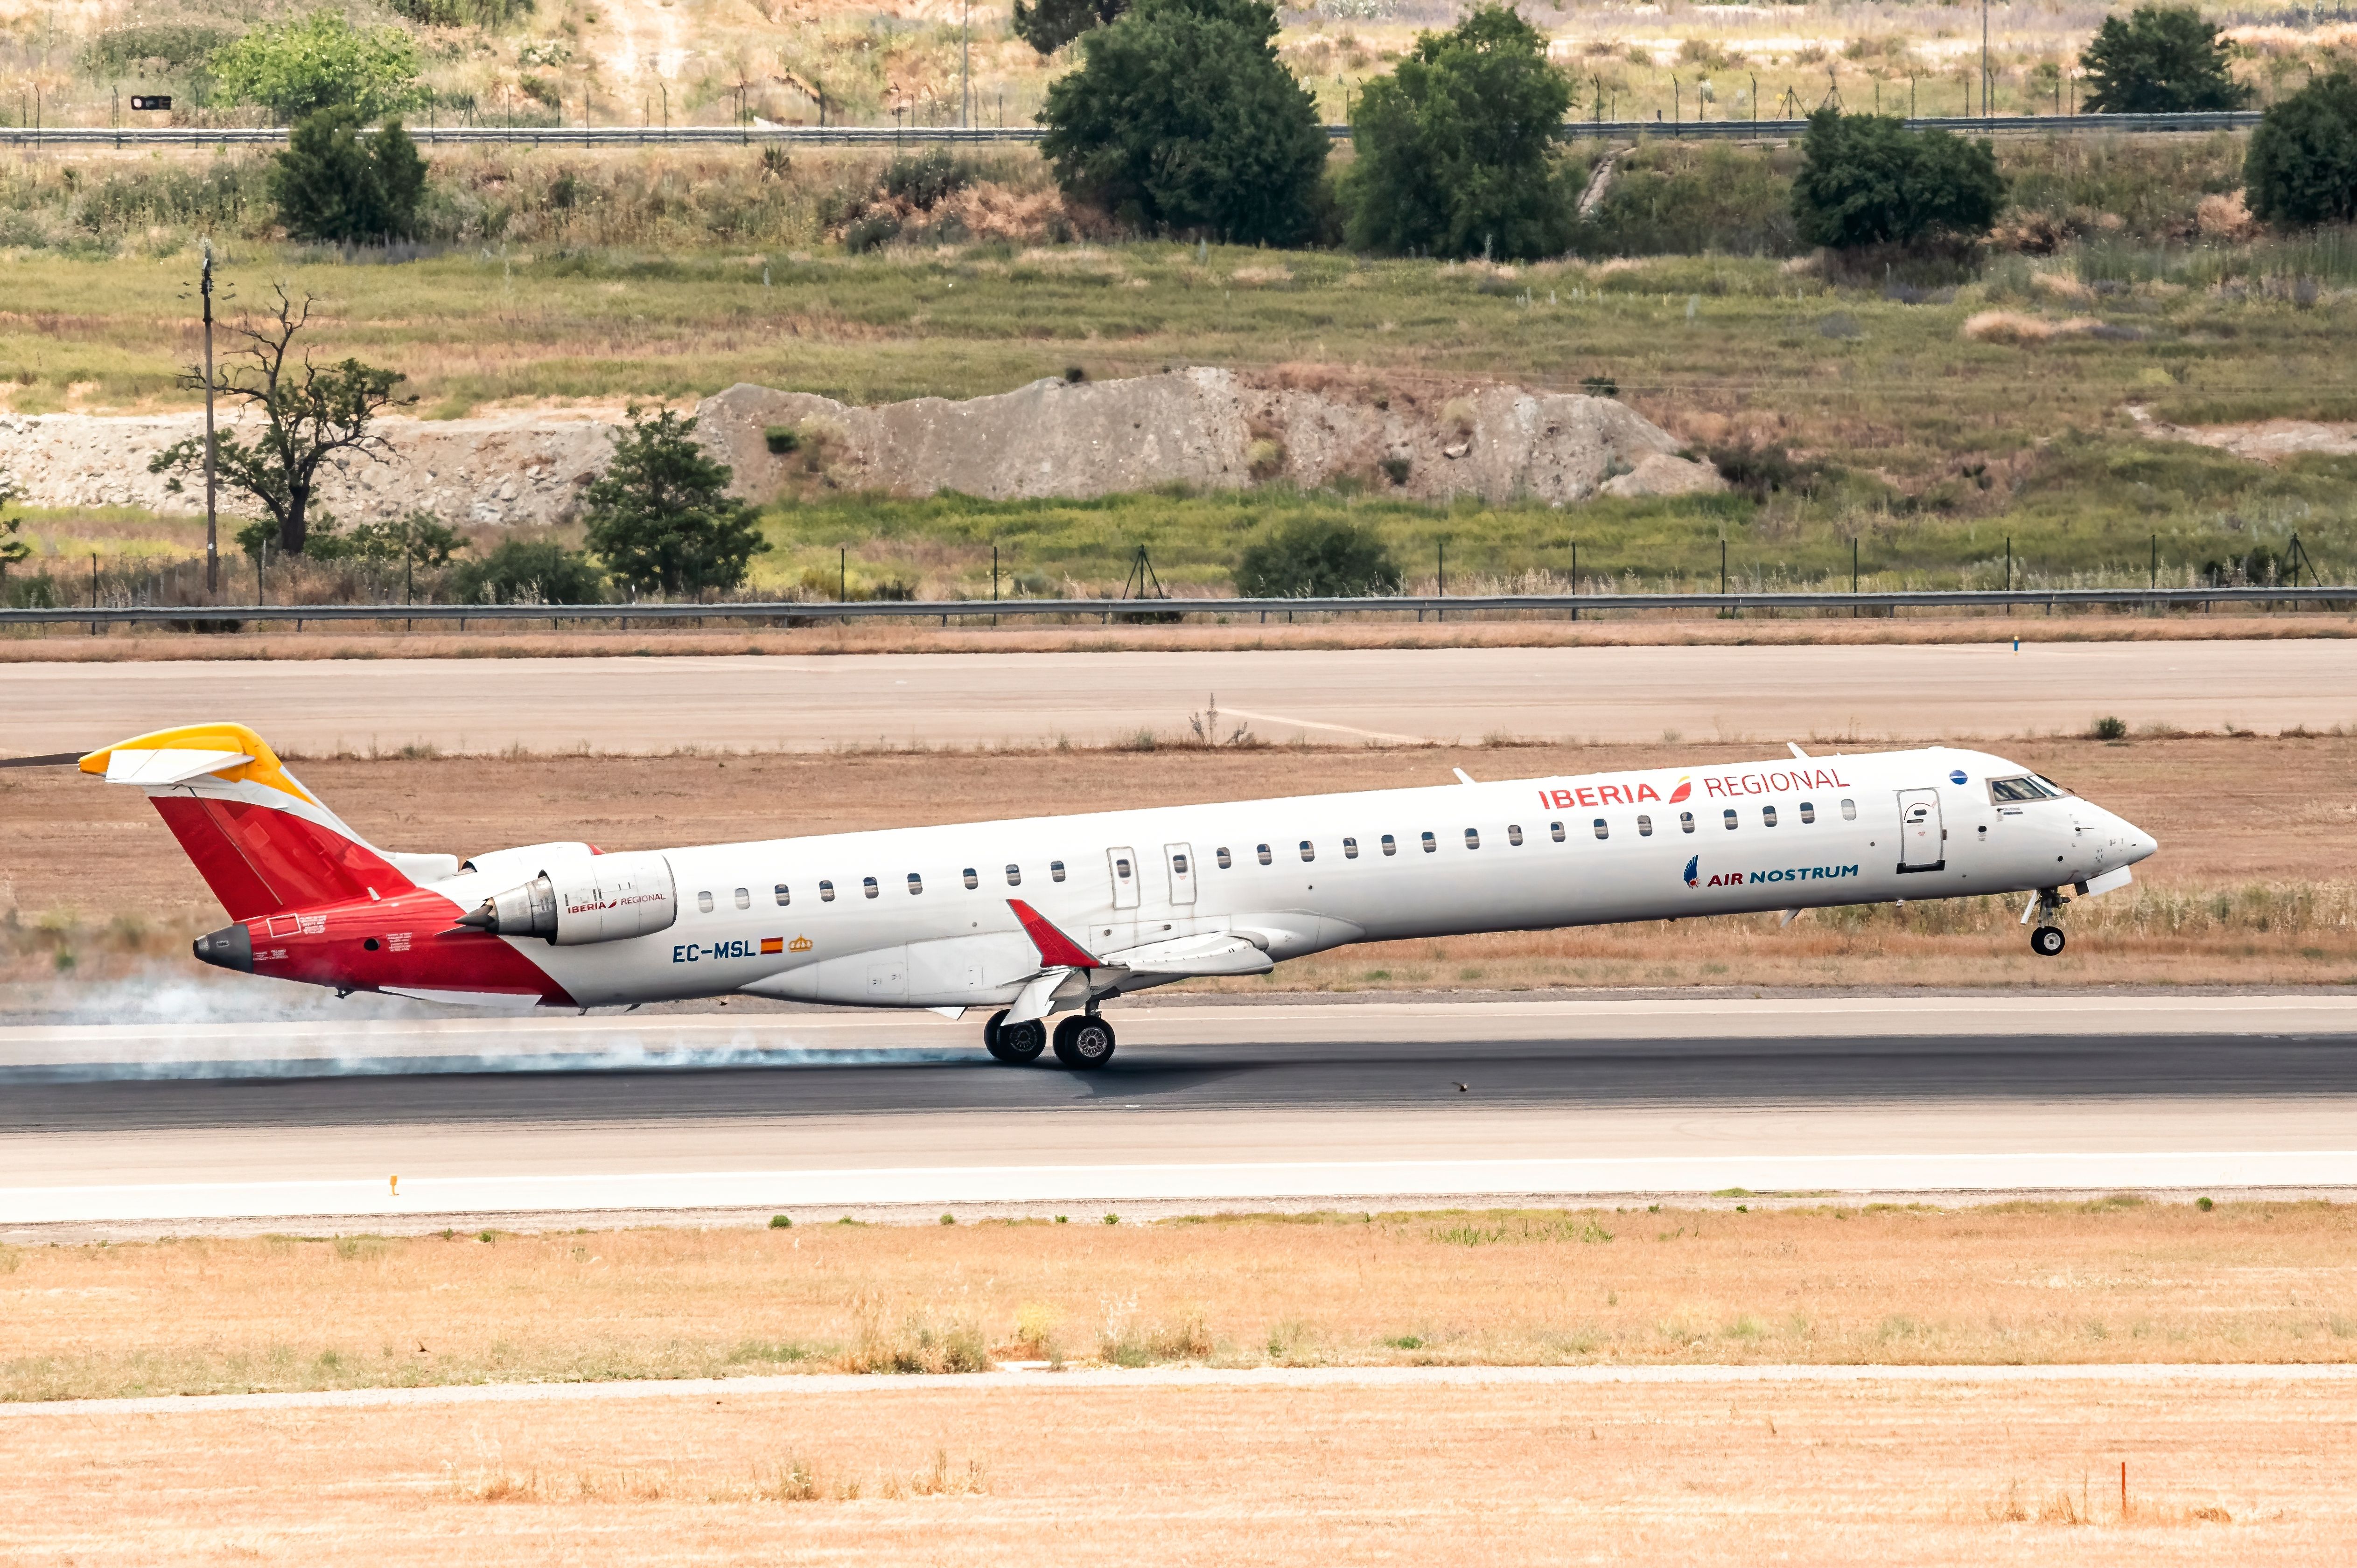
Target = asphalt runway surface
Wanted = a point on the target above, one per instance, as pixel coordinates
(1764, 694)
(1203, 1104)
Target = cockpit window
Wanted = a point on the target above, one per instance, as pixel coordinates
(2052, 787)
(2029, 787)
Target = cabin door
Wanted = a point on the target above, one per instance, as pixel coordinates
(1922, 841)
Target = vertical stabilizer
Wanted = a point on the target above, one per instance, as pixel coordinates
(262, 842)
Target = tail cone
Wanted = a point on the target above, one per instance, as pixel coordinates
(231, 947)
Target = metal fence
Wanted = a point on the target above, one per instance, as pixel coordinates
(1568, 605)
(891, 135)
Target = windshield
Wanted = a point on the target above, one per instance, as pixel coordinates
(2026, 787)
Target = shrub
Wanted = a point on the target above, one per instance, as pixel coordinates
(2302, 164)
(2109, 727)
(463, 13)
(922, 179)
(1051, 24)
(1761, 471)
(1865, 179)
(299, 68)
(1318, 558)
(781, 439)
(2160, 60)
(661, 516)
(1456, 148)
(175, 45)
(330, 184)
(529, 571)
(1182, 117)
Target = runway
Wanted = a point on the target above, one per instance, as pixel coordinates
(1765, 693)
(1221, 1104)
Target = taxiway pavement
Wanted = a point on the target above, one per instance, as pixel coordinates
(1767, 693)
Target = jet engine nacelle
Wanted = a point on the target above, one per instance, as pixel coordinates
(604, 899)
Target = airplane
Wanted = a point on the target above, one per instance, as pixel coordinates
(1043, 915)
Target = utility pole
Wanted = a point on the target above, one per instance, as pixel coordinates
(965, 70)
(1985, 60)
(212, 527)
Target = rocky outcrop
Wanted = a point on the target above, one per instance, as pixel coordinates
(1210, 428)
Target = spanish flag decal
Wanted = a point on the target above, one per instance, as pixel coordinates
(773, 944)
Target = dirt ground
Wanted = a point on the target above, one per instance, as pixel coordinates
(2256, 884)
(1832, 1475)
(2112, 1281)
(70, 644)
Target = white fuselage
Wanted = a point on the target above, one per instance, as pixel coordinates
(920, 916)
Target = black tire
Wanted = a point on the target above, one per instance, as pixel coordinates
(1084, 1042)
(2046, 940)
(1014, 1043)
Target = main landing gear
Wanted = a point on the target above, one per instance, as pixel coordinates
(1083, 1041)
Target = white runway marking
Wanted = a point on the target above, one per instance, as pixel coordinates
(1093, 1380)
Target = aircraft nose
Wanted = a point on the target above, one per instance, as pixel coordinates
(2138, 844)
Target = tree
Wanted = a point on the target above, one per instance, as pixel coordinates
(2161, 59)
(1865, 179)
(661, 516)
(1051, 24)
(417, 538)
(1455, 147)
(1182, 117)
(529, 571)
(2302, 168)
(330, 184)
(322, 61)
(11, 549)
(309, 416)
(1317, 558)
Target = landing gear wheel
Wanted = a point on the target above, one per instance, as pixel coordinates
(1014, 1044)
(1084, 1042)
(2046, 940)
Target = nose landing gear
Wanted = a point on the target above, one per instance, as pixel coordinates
(2046, 942)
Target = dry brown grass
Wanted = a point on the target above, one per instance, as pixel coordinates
(68, 645)
(2111, 1280)
(1825, 1475)
(2256, 882)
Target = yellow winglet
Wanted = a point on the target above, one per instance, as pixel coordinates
(243, 756)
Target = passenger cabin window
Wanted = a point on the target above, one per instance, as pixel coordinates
(744, 897)
(1015, 876)
(1308, 850)
(1179, 864)
(1685, 822)
(1849, 811)
(972, 880)
(784, 898)
(1391, 845)
(1262, 850)
(867, 886)
(1472, 838)
(1514, 834)
(1055, 871)
(1350, 849)
(1730, 819)
(704, 903)
(1555, 831)
(1121, 867)
(1226, 860)
(1602, 831)
(1430, 844)
(1767, 816)
(1808, 813)
(825, 893)
(916, 882)
(1644, 827)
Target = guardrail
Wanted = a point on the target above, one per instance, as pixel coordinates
(946, 610)
(889, 136)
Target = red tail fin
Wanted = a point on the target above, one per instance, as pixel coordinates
(260, 841)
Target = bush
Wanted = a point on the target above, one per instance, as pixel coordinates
(661, 516)
(2161, 59)
(1865, 179)
(529, 571)
(922, 179)
(1051, 24)
(1182, 118)
(2302, 164)
(1317, 558)
(1456, 148)
(1761, 471)
(321, 62)
(463, 13)
(2109, 727)
(329, 185)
